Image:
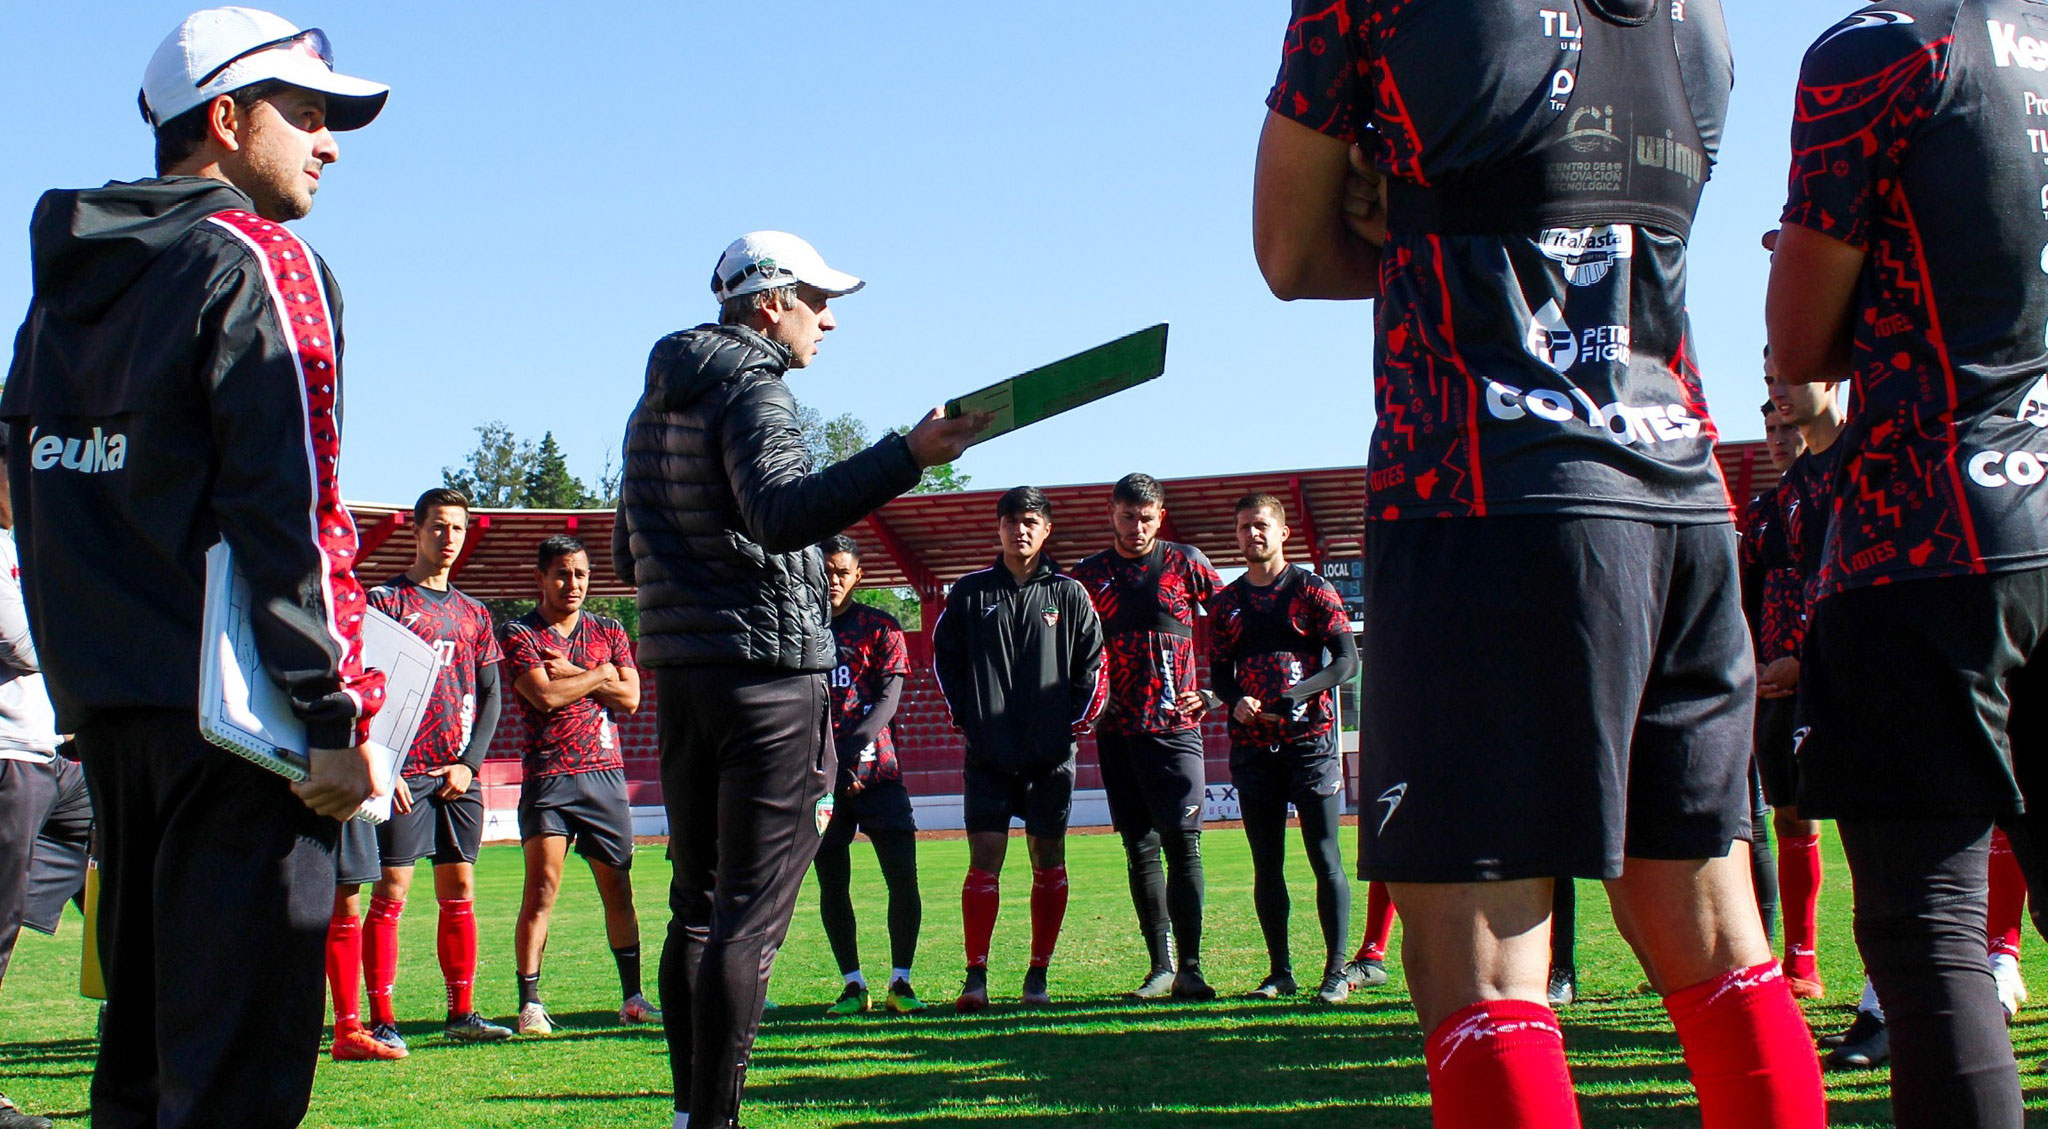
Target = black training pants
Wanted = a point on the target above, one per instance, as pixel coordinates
(1920, 903)
(896, 851)
(1266, 784)
(745, 756)
(216, 884)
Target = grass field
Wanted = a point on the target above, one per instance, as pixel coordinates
(1093, 1059)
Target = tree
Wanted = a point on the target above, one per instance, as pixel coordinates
(549, 485)
(494, 476)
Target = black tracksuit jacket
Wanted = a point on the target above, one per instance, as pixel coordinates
(1021, 666)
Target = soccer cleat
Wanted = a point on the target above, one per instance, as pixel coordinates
(11, 1117)
(1564, 987)
(1366, 973)
(535, 1020)
(901, 1000)
(388, 1035)
(974, 991)
(1336, 988)
(1274, 986)
(358, 1045)
(1189, 985)
(2012, 991)
(636, 1009)
(1157, 986)
(1867, 1043)
(852, 1001)
(1034, 993)
(473, 1028)
(1804, 988)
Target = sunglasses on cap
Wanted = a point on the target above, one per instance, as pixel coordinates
(314, 40)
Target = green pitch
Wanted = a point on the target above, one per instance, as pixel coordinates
(1091, 1060)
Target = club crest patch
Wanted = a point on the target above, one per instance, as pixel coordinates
(1051, 616)
(823, 812)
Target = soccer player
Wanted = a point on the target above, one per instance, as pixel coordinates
(1367, 967)
(1018, 655)
(573, 670)
(868, 796)
(1909, 263)
(1557, 678)
(1148, 592)
(439, 813)
(1270, 630)
(178, 380)
(2006, 903)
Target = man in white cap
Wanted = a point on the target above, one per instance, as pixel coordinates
(720, 514)
(178, 382)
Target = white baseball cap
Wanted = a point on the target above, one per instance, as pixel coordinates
(763, 260)
(224, 49)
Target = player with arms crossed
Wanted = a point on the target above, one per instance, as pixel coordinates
(869, 795)
(1269, 630)
(1148, 592)
(572, 669)
(1557, 677)
(1018, 654)
(440, 811)
(1909, 263)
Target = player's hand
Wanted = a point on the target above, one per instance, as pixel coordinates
(1247, 710)
(1780, 679)
(401, 797)
(339, 781)
(1191, 703)
(555, 665)
(454, 780)
(1365, 199)
(1771, 240)
(937, 439)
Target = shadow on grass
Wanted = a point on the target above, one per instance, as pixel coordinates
(49, 1058)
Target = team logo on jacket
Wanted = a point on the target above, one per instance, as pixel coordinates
(1051, 616)
(822, 812)
(1588, 253)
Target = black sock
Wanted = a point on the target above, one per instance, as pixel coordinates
(628, 960)
(529, 989)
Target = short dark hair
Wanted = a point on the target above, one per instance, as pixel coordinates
(1260, 500)
(555, 548)
(436, 498)
(1020, 500)
(841, 543)
(1770, 407)
(1137, 490)
(183, 135)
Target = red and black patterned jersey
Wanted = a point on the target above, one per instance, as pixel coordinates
(1780, 627)
(579, 737)
(871, 648)
(1270, 638)
(1541, 363)
(1148, 606)
(1917, 139)
(460, 630)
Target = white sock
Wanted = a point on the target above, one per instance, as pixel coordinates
(896, 974)
(855, 977)
(2003, 960)
(682, 1120)
(1869, 1001)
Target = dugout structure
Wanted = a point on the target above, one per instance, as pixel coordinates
(921, 542)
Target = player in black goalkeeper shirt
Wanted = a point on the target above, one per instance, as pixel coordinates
(1909, 262)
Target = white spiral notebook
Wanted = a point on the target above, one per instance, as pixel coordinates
(243, 711)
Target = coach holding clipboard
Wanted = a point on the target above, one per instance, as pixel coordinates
(719, 517)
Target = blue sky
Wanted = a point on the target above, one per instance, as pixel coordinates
(550, 185)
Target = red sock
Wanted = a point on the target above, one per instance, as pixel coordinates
(2008, 899)
(980, 897)
(1500, 1065)
(456, 944)
(380, 956)
(345, 969)
(1799, 888)
(1379, 923)
(1048, 911)
(1749, 1051)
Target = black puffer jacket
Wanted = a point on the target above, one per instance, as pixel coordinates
(720, 513)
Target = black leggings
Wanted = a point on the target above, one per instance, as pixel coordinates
(1920, 904)
(896, 851)
(1564, 926)
(1265, 827)
(1763, 870)
(1172, 899)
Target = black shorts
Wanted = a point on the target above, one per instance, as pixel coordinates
(1043, 800)
(588, 808)
(881, 806)
(57, 865)
(1774, 760)
(1546, 696)
(448, 830)
(1300, 774)
(1920, 698)
(1154, 780)
(356, 860)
